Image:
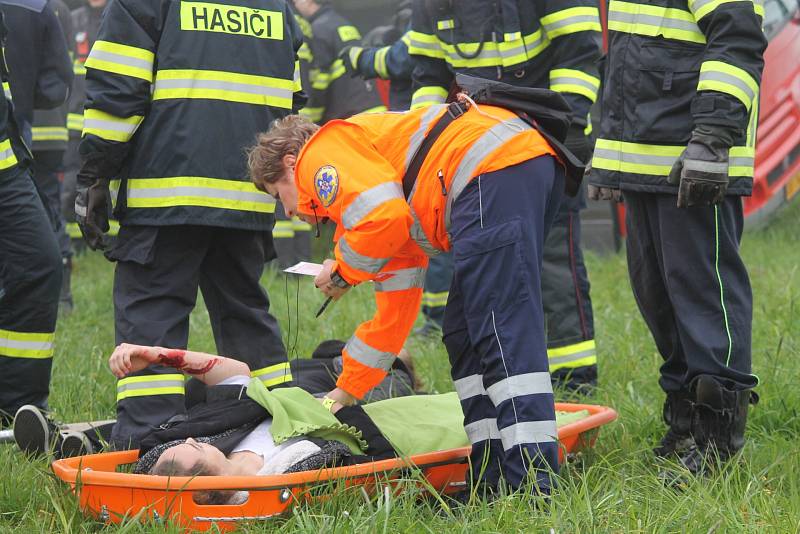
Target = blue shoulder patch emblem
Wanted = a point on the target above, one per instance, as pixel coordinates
(326, 183)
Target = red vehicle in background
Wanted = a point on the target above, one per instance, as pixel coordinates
(777, 173)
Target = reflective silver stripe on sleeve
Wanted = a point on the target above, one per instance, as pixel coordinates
(723, 77)
(528, 432)
(482, 430)
(577, 19)
(573, 80)
(741, 161)
(7, 153)
(629, 157)
(493, 139)
(519, 385)
(653, 20)
(114, 126)
(371, 357)
(469, 386)
(402, 279)
(419, 136)
(368, 200)
(111, 57)
(358, 261)
(203, 192)
(199, 83)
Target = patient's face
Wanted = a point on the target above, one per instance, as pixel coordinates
(190, 453)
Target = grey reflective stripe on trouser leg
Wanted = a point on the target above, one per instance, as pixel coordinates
(140, 386)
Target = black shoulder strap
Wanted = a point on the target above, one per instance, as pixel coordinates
(454, 111)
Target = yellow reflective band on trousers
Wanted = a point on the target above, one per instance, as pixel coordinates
(653, 21)
(143, 386)
(574, 81)
(7, 157)
(75, 122)
(197, 191)
(657, 160)
(227, 86)
(725, 78)
(109, 127)
(572, 356)
(435, 300)
(121, 59)
(428, 96)
(321, 79)
(283, 230)
(49, 133)
(701, 8)
(37, 346)
(571, 20)
(273, 375)
(300, 226)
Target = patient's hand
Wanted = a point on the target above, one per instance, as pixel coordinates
(127, 359)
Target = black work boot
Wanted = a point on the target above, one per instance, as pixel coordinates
(718, 424)
(678, 417)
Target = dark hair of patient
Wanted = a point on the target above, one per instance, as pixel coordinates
(171, 468)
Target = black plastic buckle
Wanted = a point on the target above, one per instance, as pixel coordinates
(456, 109)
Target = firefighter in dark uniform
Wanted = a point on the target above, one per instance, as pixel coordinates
(86, 24)
(677, 137)
(175, 93)
(333, 94)
(551, 44)
(389, 60)
(30, 263)
(49, 145)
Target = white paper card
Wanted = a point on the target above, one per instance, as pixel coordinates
(305, 268)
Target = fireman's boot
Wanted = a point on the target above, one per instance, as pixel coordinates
(678, 417)
(718, 424)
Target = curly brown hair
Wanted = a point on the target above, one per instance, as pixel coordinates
(285, 136)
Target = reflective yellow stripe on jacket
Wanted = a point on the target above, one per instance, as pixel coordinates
(653, 21)
(7, 90)
(428, 96)
(197, 191)
(7, 158)
(75, 122)
(32, 345)
(227, 86)
(283, 230)
(121, 59)
(574, 81)
(109, 127)
(725, 78)
(657, 160)
(701, 8)
(49, 133)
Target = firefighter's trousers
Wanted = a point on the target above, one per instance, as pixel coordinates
(48, 173)
(30, 282)
(158, 273)
(692, 287)
(494, 324)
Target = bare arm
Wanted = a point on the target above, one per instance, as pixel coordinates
(208, 368)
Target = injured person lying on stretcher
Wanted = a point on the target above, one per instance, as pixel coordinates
(36, 434)
(245, 429)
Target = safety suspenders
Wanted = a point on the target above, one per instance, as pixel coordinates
(454, 111)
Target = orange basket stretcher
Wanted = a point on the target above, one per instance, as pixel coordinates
(111, 496)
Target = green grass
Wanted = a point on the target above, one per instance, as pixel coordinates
(613, 488)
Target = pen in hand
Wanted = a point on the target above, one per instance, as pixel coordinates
(324, 305)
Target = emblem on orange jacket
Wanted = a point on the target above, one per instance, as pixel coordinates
(326, 183)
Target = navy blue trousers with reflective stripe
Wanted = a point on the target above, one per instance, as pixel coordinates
(438, 278)
(30, 281)
(692, 287)
(494, 324)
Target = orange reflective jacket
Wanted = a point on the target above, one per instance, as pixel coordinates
(351, 171)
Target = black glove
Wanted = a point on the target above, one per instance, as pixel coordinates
(349, 56)
(702, 168)
(92, 204)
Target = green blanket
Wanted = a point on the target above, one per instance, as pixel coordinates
(413, 425)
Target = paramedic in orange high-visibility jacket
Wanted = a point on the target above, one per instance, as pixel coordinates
(487, 190)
